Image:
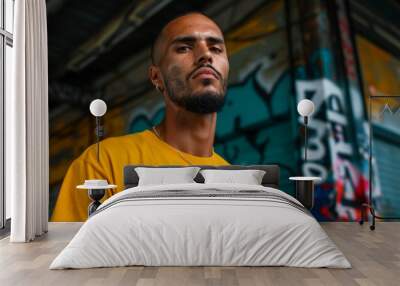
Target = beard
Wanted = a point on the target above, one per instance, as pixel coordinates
(200, 102)
(203, 102)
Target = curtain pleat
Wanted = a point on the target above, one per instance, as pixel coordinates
(15, 130)
(29, 157)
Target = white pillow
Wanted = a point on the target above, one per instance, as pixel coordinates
(162, 176)
(248, 177)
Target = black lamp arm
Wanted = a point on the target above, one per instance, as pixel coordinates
(99, 134)
(305, 138)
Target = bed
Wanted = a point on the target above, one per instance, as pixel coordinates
(201, 224)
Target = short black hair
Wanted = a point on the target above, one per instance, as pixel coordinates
(160, 31)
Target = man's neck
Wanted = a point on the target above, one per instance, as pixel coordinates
(189, 132)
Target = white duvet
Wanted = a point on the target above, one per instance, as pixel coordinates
(190, 230)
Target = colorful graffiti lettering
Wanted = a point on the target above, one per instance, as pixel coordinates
(330, 128)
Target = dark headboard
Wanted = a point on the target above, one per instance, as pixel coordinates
(270, 179)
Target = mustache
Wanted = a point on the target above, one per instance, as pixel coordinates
(204, 66)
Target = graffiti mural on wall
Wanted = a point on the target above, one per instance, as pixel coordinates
(331, 153)
(259, 123)
(380, 72)
(142, 118)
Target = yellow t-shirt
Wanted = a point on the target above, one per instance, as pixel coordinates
(115, 153)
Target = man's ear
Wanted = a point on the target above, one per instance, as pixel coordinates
(156, 78)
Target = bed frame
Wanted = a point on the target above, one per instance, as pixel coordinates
(270, 179)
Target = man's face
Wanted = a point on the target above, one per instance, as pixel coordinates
(193, 63)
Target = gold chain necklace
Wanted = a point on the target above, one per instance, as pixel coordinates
(179, 152)
(156, 132)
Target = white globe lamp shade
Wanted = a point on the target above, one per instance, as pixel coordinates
(98, 107)
(305, 107)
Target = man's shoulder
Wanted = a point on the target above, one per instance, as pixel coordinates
(220, 160)
(117, 144)
(126, 140)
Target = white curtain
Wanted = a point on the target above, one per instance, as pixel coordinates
(27, 140)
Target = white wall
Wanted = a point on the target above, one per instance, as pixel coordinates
(9, 27)
(8, 85)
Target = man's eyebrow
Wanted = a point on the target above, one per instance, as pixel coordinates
(192, 39)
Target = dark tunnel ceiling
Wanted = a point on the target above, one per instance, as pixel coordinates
(71, 23)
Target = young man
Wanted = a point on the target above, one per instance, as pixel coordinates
(190, 68)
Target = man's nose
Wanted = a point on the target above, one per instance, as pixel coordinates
(203, 54)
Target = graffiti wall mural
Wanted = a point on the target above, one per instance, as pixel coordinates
(381, 73)
(259, 125)
(269, 73)
(331, 153)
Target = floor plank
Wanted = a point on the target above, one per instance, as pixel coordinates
(374, 255)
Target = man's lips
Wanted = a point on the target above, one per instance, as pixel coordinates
(205, 72)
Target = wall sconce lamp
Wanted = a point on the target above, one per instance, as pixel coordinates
(96, 188)
(98, 108)
(305, 108)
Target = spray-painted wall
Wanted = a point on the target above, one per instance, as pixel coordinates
(381, 77)
(259, 124)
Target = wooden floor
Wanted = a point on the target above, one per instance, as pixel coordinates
(374, 255)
